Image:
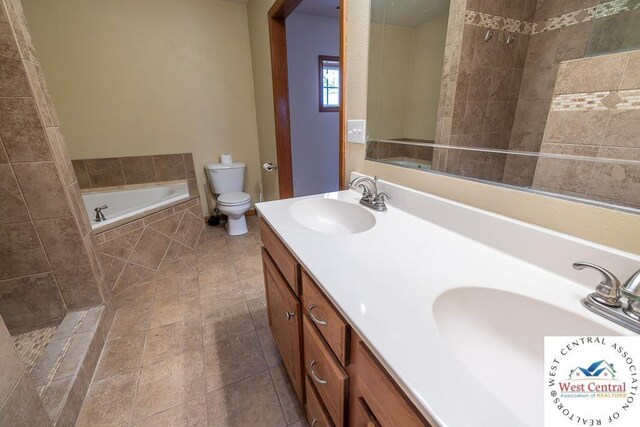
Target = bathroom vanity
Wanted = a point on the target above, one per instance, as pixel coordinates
(396, 318)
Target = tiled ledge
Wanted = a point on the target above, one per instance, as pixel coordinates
(63, 370)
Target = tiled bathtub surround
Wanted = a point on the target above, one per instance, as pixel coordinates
(119, 171)
(131, 254)
(602, 120)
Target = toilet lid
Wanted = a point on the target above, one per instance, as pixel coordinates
(233, 198)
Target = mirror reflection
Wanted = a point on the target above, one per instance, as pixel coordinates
(511, 93)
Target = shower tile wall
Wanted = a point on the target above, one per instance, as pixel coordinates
(47, 262)
(119, 171)
(595, 115)
(487, 82)
(555, 38)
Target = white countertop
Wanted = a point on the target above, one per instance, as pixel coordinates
(385, 282)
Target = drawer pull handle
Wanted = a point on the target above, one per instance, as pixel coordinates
(313, 374)
(314, 422)
(289, 314)
(314, 318)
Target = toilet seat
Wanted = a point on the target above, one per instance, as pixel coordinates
(234, 199)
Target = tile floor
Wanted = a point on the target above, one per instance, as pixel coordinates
(191, 346)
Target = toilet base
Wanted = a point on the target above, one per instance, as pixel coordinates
(237, 226)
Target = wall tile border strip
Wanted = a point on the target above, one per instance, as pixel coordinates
(486, 20)
(604, 100)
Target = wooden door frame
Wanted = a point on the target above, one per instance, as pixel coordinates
(280, 79)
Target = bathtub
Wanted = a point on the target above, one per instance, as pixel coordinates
(128, 203)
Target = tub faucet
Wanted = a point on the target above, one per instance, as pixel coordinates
(99, 215)
(607, 300)
(370, 196)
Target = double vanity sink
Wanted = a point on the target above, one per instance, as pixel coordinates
(452, 308)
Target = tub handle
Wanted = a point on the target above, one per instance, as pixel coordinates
(99, 215)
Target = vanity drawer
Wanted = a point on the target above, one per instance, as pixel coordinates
(382, 400)
(329, 322)
(363, 417)
(317, 414)
(283, 311)
(325, 371)
(287, 264)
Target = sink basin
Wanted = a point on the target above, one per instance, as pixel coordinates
(499, 336)
(332, 216)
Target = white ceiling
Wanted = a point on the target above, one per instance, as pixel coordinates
(407, 13)
(320, 7)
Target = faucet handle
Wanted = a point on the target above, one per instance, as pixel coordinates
(381, 197)
(631, 290)
(366, 194)
(608, 290)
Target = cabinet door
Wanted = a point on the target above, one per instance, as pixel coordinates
(283, 309)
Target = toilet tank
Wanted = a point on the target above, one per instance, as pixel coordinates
(225, 177)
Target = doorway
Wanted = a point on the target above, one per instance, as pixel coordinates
(308, 98)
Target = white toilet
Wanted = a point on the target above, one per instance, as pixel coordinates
(226, 181)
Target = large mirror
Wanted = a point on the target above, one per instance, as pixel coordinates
(538, 95)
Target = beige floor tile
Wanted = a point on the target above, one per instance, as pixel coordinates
(248, 266)
(108, 402)
(253, 287)
(171, 310)
(169, 383)
(225, 323)
(302, 422)
(172, 286)
(218, 274)
(170, 340)
(129, 320)
(249, 250)
(258, 309)
(252, 401)
(121, 355)
(292, 409)
(190, 414)
(268, 344)
(240, 241)
(136, 295)
(229, 361)
(213, 255)
(220, 295)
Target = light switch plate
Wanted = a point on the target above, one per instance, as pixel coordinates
(356, 131)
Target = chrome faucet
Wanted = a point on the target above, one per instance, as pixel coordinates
(370, 196)
(607, 300)
(99, 215)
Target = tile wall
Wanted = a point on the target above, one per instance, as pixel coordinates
(482, 85)
(595, 115)
(560, 32)
(48, 264)
(47, 261)
(119, 171)
(132, 253)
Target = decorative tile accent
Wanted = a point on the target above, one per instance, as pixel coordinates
(30, 345)
(485, 20)
(604, 100)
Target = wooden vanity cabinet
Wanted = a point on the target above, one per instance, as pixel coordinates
(333, 373)
(283, 311)
(374, 396)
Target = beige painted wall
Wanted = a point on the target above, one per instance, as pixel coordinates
(605, 226)
(263, 91)
(427, 57)
(150, 77)
(409, 62)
